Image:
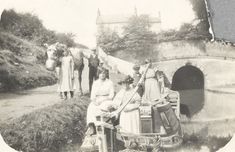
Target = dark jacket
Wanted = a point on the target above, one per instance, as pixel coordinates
(93, 61)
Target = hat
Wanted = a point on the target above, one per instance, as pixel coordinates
(127, 80)
(136, 67)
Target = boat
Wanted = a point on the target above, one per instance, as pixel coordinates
(160, 128)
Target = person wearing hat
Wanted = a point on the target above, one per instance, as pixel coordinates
(151, 85)
(130, 116)
(102, 94)
(93, 63)
(136, 77)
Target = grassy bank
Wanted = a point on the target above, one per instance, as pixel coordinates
(22, 64)
(46, 130)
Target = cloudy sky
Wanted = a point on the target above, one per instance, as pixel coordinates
(79, 16)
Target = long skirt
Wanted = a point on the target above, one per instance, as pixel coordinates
(66, 83)
(130, 121)
(93, 111)
(152, 90)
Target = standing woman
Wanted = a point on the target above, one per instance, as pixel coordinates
(67, 74)
(151, 85)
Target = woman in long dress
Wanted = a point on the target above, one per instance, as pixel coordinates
(67, 74)
(130, 116)
(151, 86)
(101, 99)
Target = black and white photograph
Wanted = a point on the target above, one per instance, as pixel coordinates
(117, 76)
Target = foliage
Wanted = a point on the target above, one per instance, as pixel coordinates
(199, 8)
(47, 129)
(186, 32)
(108, 39)
(21, 64)
(30, 27)
(136, 37)
(137, 34)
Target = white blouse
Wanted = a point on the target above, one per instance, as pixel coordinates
(102, 89)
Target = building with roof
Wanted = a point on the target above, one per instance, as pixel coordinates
(115, 22)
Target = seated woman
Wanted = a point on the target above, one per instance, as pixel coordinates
(101, 98)
(129, 118)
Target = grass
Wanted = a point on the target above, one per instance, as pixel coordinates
(22, 64)
(46, 130)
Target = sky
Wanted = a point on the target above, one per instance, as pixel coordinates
(79, 16)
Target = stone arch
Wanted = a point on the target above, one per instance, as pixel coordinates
(189, 80)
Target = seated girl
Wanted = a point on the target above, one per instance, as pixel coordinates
(101, 98)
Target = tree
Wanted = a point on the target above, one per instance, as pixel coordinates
(137, 35)
(108, 39)
(30, 27)
(199, 8)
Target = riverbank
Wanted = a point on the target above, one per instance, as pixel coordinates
(47, 129)
(22, 64)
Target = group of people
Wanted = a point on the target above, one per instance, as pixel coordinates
(102, 93)
(67, 63)
(104, 100)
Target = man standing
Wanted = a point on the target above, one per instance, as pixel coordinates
(93, 65)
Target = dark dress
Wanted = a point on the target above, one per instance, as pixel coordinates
(93, 65)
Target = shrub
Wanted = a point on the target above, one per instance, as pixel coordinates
(46, 130)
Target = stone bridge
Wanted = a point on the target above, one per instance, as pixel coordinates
(215, 71)
(200, 81)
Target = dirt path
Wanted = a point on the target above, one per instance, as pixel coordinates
(13, 105)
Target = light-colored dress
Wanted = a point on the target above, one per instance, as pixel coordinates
(67, 72)
(151, 87)
(103, 92)
(129, 120)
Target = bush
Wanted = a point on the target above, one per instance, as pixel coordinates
(46, 130)
(30, 27)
